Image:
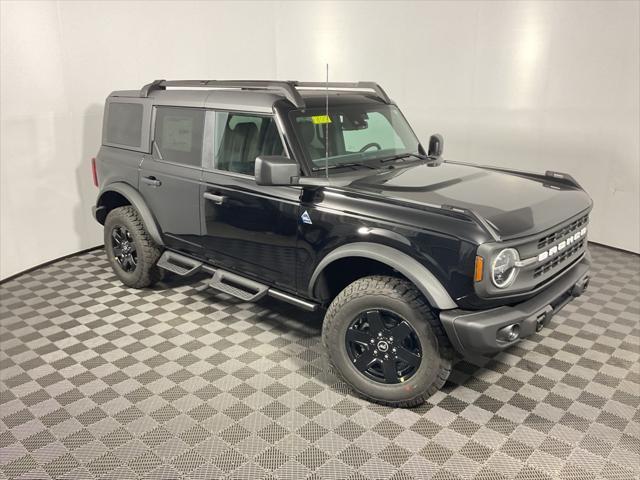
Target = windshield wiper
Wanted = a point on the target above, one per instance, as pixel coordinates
(350, 164)
(404, 155)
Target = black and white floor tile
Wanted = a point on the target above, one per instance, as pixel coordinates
(101, 381)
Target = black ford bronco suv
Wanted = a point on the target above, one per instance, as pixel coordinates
(321, 195)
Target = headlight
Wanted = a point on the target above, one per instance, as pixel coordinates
(504, 269)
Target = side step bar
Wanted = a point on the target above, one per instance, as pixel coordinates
(238, 286)
(178, 264)
(227, 282)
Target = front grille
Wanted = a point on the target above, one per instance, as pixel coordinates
(545, 257)
(563, 232)
(560, 259)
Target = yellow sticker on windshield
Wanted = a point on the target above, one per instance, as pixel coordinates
(320, 119)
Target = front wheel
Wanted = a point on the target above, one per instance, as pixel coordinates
(385, 341)
(131, 251)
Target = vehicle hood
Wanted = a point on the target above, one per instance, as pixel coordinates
(514, 205)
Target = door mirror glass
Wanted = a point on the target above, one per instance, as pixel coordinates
(276, 170)
(436, 146)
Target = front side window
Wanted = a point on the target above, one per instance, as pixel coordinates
(178, 135)
(353, 133)
(241, 137)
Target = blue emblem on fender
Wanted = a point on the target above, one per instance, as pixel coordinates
(306, 218)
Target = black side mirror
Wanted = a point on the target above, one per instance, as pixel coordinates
(436, 146)
(276, 170)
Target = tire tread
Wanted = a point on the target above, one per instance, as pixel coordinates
(149, 251)
(403, 290)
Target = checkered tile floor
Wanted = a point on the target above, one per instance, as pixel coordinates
(100, 381)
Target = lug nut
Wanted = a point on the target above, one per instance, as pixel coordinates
(373, 341)
(391, 339)
(393, 350)
(379, 334)
(386, 357)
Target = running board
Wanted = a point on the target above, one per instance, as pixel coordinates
(178, 264)
(230, 283)
(238, 286)
(250, 291)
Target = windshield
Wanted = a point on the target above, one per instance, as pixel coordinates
(353, 134)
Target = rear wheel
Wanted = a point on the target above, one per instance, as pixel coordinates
(130, 250)
(386, 342)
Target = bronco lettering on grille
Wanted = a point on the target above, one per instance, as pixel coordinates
(562, 245)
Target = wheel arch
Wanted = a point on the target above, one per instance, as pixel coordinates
(120, 194)
(393, 259)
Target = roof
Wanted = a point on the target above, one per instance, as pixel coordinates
(255, 95)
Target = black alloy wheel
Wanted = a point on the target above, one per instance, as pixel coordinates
(131, 251)
(383, 346)
(124, 248)
(386, 342)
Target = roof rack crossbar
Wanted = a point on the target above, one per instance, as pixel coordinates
(373, 86)
(285, 88)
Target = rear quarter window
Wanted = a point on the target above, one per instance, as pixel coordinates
(124, 124)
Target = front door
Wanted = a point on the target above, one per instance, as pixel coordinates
(249, 229)
(170, 178)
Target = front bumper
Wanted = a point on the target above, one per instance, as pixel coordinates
(472, 332)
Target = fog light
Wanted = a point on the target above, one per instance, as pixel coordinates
(508, 333)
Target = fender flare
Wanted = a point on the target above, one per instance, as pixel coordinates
(137, 202)
(417, 273)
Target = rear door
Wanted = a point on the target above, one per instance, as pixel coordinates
(170, 177)
(247, 228)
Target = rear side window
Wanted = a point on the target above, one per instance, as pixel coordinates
(124, 124)
(178, 135)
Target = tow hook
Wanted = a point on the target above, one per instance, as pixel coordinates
(544, 317)
(580, 287)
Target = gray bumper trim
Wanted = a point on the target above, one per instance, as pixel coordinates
(473, 332)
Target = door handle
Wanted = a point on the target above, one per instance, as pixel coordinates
(153, 181)
(217, 199)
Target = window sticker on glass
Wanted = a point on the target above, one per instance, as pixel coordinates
(176, 133)
(320, 119)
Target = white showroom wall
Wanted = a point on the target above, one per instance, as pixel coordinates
(59, 60)
(530, 85)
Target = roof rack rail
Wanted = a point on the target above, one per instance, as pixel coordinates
(373, 86)
(286, 88)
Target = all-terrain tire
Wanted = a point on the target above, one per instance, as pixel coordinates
(146, 273)
(402, 298)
